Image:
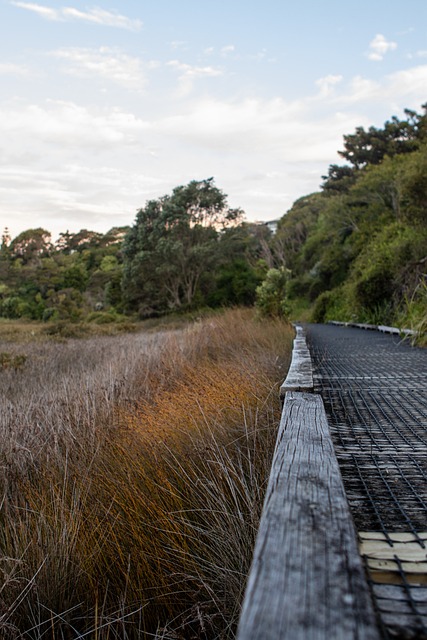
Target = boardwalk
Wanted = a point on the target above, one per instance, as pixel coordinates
(374, 388)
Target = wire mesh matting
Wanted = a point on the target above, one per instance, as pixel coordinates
(374, 388)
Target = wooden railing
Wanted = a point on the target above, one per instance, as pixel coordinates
(307, 581)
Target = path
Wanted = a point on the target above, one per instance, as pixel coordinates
(374, 388)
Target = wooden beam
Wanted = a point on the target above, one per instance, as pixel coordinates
(300, 374)
(307, 580)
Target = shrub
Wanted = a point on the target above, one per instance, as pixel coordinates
(271, 294)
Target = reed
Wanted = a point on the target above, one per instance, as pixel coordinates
(132, 476)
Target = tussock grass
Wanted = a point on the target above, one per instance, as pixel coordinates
(132, 475)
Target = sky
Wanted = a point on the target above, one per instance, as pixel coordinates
(105, 106)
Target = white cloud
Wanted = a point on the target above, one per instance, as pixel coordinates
(379, 46)
(44, 12)
(228, 49)
(259, 127)
(327, 83)
(104, 63)
(98, 165)
(188, 73)
(69, 125)
(94, 16)
(308, 130)
(402, 88)
(8, 68)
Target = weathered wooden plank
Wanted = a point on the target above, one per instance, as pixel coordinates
(307, 581)
(300, 374)
(384, 329)
(364, 325)
(404, 552)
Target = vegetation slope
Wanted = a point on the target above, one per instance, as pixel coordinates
(357, 250)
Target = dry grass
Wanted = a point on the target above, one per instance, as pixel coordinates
(132, 474)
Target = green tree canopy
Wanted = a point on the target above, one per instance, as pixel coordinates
(173, 241)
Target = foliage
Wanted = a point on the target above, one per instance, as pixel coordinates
(271, 294)
(175, 239)
(66, 281)
(187, 251)
(357, 250)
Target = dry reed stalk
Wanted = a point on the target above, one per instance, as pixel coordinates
(133, 470)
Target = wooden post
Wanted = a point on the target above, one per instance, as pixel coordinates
(307, 581)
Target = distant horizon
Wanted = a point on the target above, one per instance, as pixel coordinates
(104, 107)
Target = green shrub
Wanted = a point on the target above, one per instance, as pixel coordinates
(374, 287)
(321, 307)
(103, 317)
(271, 294)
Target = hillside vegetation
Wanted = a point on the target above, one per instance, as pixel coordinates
(358, 249)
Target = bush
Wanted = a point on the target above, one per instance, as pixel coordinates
(374, 287)
(321, 307)
(103, 317)
(271, 294)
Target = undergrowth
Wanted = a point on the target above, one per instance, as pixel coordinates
(132, 475)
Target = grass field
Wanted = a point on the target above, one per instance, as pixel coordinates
(132, 472)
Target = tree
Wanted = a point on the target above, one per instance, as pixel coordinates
(31, 245)
(173, 241)
(370, 147)
(339, 179)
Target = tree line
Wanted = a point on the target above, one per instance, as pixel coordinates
(356, 249)
(185, 251)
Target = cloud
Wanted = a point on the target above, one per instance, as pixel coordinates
(188, 73)
(306, 130)
(8, 68)
(104, 63)
(94, 16)
(228, 49)
(70, 126)
(85, 163)
(43, 12)
(325, 84)
(379, 46)
(274, 127)
(402, 88)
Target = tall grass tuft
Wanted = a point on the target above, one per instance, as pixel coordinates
(132, 474)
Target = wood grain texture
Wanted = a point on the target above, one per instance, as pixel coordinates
(300, 374)
(307, 581)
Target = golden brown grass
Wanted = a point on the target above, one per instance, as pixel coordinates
(132, 475)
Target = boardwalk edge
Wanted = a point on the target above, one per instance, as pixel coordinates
(300, 374)
(307, 580)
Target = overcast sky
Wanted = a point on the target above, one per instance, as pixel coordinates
(104, 106)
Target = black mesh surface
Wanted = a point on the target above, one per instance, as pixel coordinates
(374, 388)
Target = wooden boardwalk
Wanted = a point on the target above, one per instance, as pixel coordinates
(307, 580)
(351, 450)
